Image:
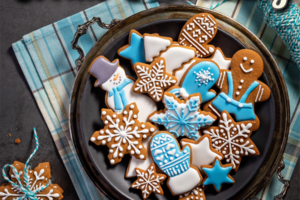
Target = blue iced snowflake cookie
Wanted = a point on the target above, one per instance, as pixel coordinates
(199, 78)
(174, 162)
(134, 51)
(182, 117)
(217, 174)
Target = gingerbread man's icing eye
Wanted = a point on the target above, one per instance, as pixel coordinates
(245, 58)
(251, 61)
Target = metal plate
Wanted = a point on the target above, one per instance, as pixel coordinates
(87, 101)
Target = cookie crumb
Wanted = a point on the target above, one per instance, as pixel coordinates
(17, 141)
(9, 135)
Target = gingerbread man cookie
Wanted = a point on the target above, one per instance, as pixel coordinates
(232, 139)
(239, 88)
(149, 181)
(198, 32)
(123, 133)
(153, 79)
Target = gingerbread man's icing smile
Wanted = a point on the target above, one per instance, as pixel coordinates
(247, 70)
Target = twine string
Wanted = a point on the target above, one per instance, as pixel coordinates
(29, 194)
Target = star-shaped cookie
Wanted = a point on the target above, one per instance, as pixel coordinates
(153, 79)
(134, 51)
(217, 174)
(221, 60)
(149, 181)
(202, 151)
(232, 139)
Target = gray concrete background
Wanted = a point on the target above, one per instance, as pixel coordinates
(18, 110)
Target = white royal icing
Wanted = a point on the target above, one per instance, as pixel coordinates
(246, 71)
(201, 152)
(179, 74)
(154, 45)
(175, 56)
(220, 60)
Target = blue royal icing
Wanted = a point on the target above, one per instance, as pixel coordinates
(199, 79)
(242, 111)
(135, 51)
(120, 98)
(217, 175)
(168, 156)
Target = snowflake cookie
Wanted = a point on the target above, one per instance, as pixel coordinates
(182, 117)
(217, 174)
(153, 79)
(148, 181)
(195, 194)
(123, 133)
(232, 139)
(39, 178)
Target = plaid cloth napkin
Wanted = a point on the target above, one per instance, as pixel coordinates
(48, 63)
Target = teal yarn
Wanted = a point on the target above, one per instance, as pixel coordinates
(286, 23)
(29, 193)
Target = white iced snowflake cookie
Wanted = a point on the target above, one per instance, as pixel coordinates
(232, 139)
(154, 44)
(198, 32)
(123, 134)
(202, 150)
(153, 79)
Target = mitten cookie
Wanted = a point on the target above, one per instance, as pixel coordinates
(153, 79)
(174, 162)
(123, 134)
(217, 174)
(38, 181)
(148, 181)
(112, 78)
(199, 78)
(232, 139)
(198, 32)
(182, 117)
(239, 88)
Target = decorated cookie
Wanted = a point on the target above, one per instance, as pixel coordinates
(217, 174)
(198, 32)
(232, 139)
(202, 150)
(182, 117)
(38, 183)
(134, 51)
(221, 60)
(239, 88)
(181, 71)
(149, 181)
(153, 79)
(174, 162)
(112, 78)
(195, 194)
(154, 44)
(175, 56)
(123, 133)
(199, 78)
(138, 163)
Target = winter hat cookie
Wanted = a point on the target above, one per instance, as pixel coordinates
(123, 133)
(239, 88)
(182, 117)
(174, 162)
(112, 78)
(217, 174)
(202, 150)
(232, 139)
(199, 78)
(149, 181)
(154, 44)
(198, 32)
(134, 51)
(153, 79)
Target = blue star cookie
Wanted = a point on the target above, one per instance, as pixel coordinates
(135, 50)
(217, 174)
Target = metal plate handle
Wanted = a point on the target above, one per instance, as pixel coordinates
(286, 183)
(82, 30)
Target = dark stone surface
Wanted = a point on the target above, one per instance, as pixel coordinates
(18, 110)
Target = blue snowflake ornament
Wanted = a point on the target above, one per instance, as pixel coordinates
(182, 119)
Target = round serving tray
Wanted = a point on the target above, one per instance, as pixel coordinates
(87, 102)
